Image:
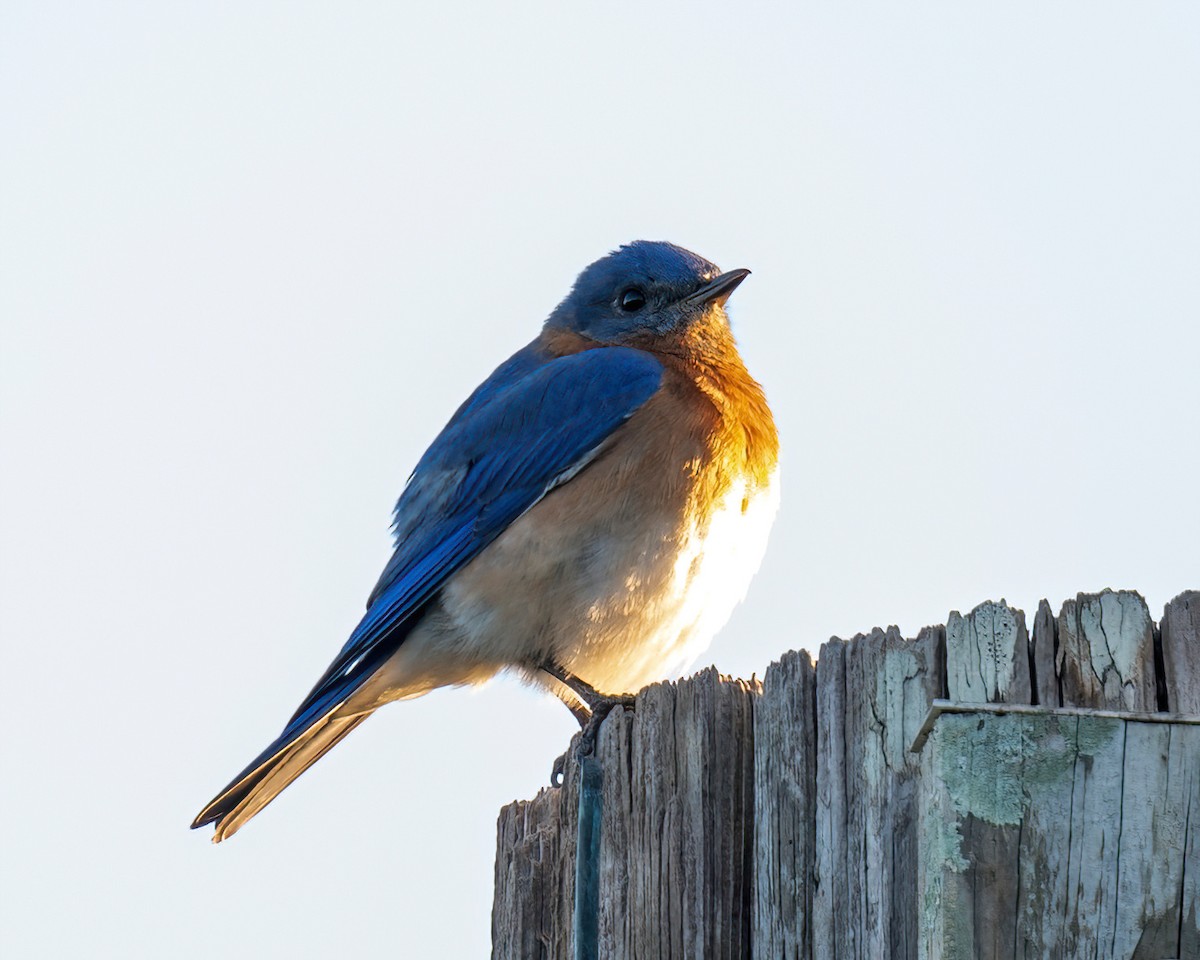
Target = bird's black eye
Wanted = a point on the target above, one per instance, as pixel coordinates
(632, 300)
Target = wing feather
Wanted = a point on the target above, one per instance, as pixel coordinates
(526, 430)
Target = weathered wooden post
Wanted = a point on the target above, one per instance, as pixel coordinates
(976, 792)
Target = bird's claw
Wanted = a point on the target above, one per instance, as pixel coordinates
(585, 745)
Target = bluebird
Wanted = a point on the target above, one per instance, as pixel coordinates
(588, 518)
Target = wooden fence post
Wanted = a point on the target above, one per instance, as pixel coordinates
(975, 792)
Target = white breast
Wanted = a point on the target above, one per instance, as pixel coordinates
(677, 609)
(617, 597)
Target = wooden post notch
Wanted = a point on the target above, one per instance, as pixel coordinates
(979, 791)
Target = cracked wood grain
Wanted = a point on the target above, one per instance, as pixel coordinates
(1105, 655)
(1044, 643)
(987, 655)
(872, 696)
(792, 819)
(785, 766)
(676, 844)
(1181, 652)
(1059, 836)
(535, 875)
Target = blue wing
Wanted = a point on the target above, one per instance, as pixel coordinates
(534, 421)
(530, 425)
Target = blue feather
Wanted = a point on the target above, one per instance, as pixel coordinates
(534, 420)
(533, 424)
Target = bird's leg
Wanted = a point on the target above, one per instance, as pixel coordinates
(585, 693)
(599, 706)
(579, 704)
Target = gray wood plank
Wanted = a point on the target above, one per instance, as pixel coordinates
(535, 878)
(1180, 629)
(1045, 643)
(784, 802)
(834, 935)
(872, 696)
(987, 655)
(677, 834)
(1105, 654)
(676, 851)
(792, 819)
(1158, 843)
(1056, 836)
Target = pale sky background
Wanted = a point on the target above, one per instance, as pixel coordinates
(253, 255)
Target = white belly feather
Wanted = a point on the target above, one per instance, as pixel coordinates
(679, 607)
(620, 602)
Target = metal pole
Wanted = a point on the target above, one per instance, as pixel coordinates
(587, 861)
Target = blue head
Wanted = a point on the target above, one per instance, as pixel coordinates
(646, 288)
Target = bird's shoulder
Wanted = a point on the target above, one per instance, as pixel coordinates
(534, 418)
(529, 428)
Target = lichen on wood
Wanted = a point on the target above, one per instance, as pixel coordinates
(987, 655)
(1058, 836)
(1047, 811)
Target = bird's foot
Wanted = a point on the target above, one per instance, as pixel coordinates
(585, 745)
(601, 708)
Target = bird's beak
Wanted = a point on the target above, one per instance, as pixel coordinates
(718, 290)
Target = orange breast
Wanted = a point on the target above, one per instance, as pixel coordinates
(624, 573)
(710, 413)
